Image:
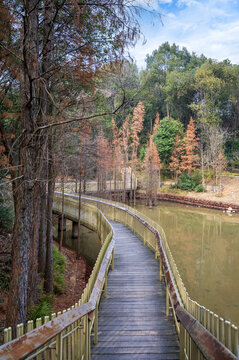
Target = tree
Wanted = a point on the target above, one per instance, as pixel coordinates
(207, 99)
(214, 149)
(57, 40)
(136, 128)
(152, 169)
(176, 157)
(191, 159)
(164, 93)
(164, 138)
(104, 158)
(125, 139)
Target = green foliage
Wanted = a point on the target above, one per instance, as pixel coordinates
(142, 153)
(199, 188)
(6, 217)
(208, 175)
(59, 264)
(164, 138)
(190, 183)
(43, 308)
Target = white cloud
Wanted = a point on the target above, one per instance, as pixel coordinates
(210, 27)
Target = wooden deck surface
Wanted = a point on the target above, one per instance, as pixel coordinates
(132, 321)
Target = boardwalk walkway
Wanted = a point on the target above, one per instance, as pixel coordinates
(132, 321)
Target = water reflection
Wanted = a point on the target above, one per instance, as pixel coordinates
(205, 246)
(90, 242)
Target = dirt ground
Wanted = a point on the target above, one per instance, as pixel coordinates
(76, 277)
(229, 193)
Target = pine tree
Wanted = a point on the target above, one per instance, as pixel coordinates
(191, 158)
(176, 157)
(136, 128)
(152, 168)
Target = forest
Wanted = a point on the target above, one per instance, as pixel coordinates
(74, 107)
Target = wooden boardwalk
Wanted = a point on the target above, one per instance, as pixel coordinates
(132, 321)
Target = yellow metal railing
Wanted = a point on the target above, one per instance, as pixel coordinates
(66, 335)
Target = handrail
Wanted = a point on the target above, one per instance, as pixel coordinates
(26, 345)
(198, 341)
(208, 344)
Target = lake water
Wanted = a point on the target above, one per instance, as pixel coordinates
(205, 247)
(90, 243)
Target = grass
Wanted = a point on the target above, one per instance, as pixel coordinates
(44, 306)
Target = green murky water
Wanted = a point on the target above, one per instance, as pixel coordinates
(90, 242)
(205, 246)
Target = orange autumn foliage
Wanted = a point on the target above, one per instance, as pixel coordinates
(176, 157)
(191, 158)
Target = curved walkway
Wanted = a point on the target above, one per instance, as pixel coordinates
(132, 321)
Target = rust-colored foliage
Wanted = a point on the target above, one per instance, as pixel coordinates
(152, 159)
(156, 124)
(137, 125)
(191, 158)
(104, 160)
(176, 157)
(152, 168)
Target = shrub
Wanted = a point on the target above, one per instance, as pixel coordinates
(199, 188)
(43, 308)
(186, 182)
(190, 183)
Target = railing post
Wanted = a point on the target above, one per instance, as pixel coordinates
(160, 269)
(167, 300)
(87, 339)
(156, 250)
(59, 347)
(182, 342)
(96, 324)
(105, 287)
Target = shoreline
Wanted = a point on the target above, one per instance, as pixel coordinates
(194, 201)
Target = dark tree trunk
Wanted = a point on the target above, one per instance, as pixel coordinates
(43, 119)
(27, 192)
(48, 283)
(42, 235)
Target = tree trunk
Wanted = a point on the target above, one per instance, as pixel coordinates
(79, 224)
(27, 192)
(45, 110)
(62, 213)
(48, 277)
(43, 222)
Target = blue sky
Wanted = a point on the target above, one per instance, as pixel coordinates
(209, 27)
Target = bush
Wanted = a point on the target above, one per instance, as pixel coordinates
(43, 308)
(190, 183)
(199, 188)
(59, 264)
(186, 182)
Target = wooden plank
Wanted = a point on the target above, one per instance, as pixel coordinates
(132, 321)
